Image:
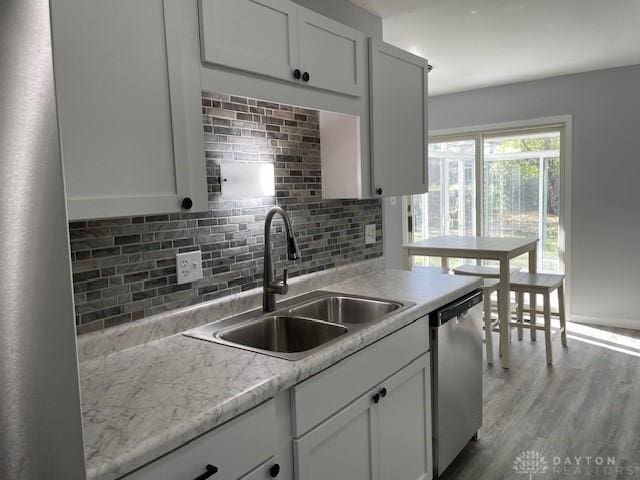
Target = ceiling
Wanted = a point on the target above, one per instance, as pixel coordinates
(480, 43)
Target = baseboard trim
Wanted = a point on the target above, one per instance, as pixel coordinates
(607, 322)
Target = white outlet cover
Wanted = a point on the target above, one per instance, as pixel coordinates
(189, 266)
(370, 234)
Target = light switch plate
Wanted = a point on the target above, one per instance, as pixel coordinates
(370, 234)
(189, 266)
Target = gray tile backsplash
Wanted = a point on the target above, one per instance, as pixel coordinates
(124, 268)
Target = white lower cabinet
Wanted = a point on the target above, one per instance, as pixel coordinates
(345, 446)
(269, 469)
(365, 418)
(404, 424)
(384, 434)
(242, 448)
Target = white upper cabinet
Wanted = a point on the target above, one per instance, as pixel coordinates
(399, 131)
(329, 53)
(279, 39)
(254, 35)
(128, 87)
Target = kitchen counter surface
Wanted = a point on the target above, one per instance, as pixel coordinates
(145, 401)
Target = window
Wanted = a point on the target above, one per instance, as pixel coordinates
(495, 184)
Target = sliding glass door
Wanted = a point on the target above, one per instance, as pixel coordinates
(450, 206)
(494, 184)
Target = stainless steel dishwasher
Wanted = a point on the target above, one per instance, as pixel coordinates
(456, 376)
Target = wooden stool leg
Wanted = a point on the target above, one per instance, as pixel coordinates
(563, 320)
(532, 314)
(547, 327)
(488, 334)
(520, 318)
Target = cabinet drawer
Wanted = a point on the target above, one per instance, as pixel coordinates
(327, 392)
(264, 471)
(235, 448)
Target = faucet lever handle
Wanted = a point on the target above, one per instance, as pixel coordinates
(285, 275)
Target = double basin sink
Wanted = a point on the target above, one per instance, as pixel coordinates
(301, 326)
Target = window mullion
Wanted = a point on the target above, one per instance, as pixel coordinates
(479, 195)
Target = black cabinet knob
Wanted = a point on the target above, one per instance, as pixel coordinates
(187, 203)
(383, 392)
(274, 470)
(297, 74)
(305, 76)
(211, 471)
(379, 191)
(376, 398)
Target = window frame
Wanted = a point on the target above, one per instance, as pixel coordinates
(561, 123)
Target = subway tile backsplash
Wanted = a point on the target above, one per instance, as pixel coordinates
(124, 268)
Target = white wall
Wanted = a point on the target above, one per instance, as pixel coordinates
(605, 246)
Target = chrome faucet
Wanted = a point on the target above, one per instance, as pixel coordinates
(270, 287)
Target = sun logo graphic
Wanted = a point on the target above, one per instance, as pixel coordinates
(530, 463)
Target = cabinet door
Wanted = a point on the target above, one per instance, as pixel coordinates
(404, 423)
(129, 98)
(399, 132)
(258, 36)
(344, 446)
(331, 53)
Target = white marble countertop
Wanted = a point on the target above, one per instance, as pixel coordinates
(144, 401)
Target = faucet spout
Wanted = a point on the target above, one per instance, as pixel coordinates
(270, 287)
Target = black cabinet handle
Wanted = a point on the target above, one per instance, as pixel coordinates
(379, 191)
(187, 203)
(376, 398)
(211, 471)
(274, 470)
(383, 392)
(306, 76)
(297, 74)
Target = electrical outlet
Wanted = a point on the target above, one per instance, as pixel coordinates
(370, 234)
(189, 266)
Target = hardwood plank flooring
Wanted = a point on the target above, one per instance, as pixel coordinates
(586, 405)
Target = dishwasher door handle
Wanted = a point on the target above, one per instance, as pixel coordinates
(458, 308)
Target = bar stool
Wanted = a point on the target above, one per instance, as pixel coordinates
(482, 271)
(539, 284)
(491, 276)
(489, 286)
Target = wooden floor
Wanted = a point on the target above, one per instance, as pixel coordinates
(586, 405)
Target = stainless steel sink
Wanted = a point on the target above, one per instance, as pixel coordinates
(343, 309)
(300, 326)
(282, 334)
